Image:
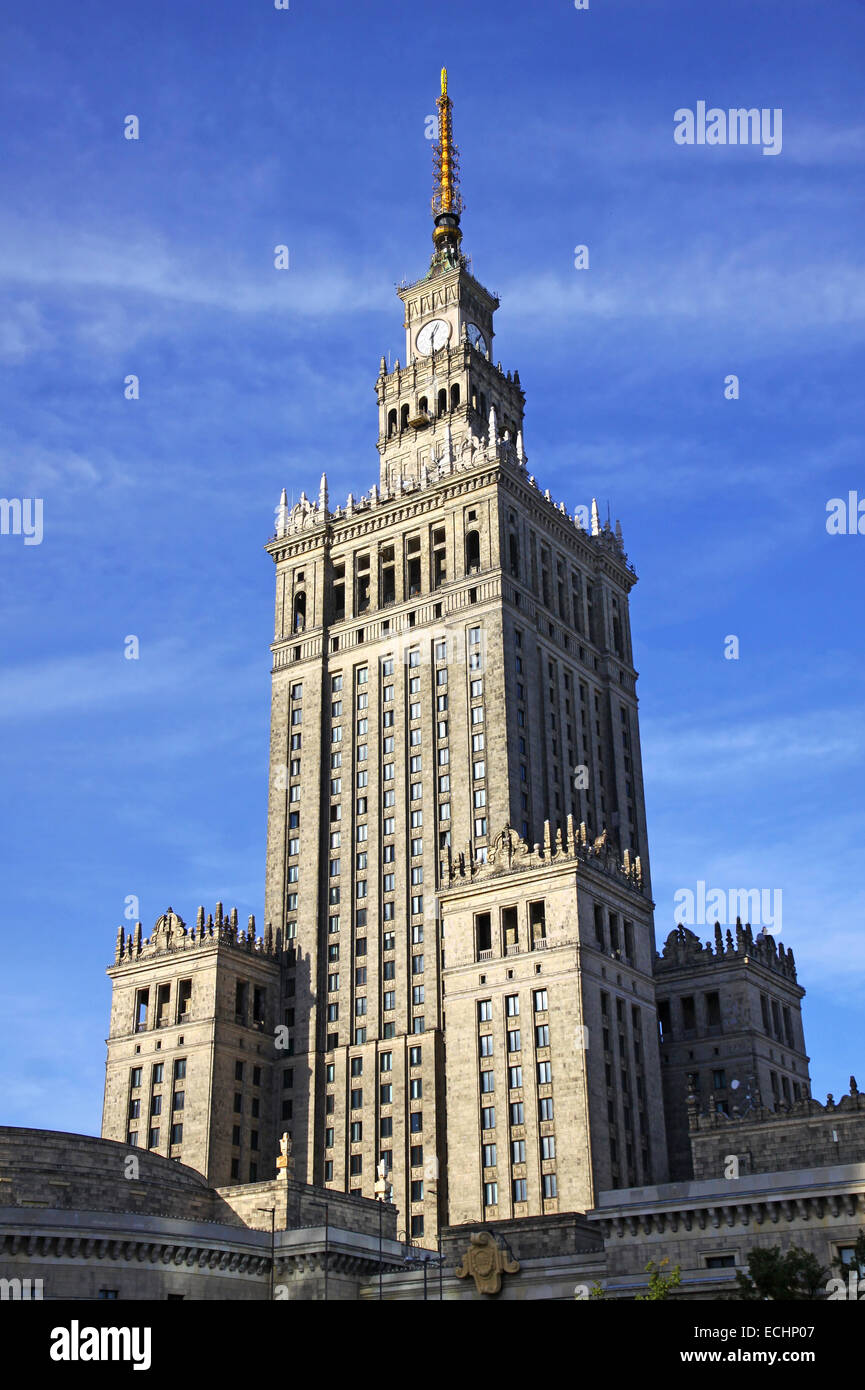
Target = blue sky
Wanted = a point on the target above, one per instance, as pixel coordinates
(155, 257)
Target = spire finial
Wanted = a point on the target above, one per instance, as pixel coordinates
(447, 203)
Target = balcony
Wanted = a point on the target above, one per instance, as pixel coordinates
(485, 955)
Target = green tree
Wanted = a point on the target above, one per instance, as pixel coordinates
(782, 1275)
(660, 1284)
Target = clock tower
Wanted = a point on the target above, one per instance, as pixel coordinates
(436, 410)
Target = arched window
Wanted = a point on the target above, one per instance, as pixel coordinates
(514, 556)
(299, 611)
(455, 395)
(473, 552)
(391, 423)
(443, 401)
(403, 418)
(423, 405)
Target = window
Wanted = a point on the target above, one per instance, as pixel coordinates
(545, 1108)
(491, 1194)
(416, 1088)
(542, 1035)
(417, 1190)
(514, 1041)
(550, 1185)
(489, 1156)
(520, 1190)
(486, 1042)
(518, 1151)
(545, 1073)
(540, 1001)
(517, 1112)
(512, 1005)
(416, 1227)
(548, 1146)
(515, 1078)
(485, 1010)
(385, 1093)
(416, 1122)
(488, 1082)
(385, 1061)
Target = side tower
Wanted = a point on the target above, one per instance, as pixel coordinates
(553, 1084)
(452, 656)
(730, 1030)
(190, 1062)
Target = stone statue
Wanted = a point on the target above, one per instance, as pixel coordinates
(284, 1160)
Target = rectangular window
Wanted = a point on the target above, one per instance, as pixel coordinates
(491, 1194)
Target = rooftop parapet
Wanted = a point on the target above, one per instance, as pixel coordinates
(683, 948)
(170, 933)
(509, 853)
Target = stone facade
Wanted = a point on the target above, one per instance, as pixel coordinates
(552, 1072)
(94, 1219)
(805, 1134)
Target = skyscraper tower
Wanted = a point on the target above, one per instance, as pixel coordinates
(456, 853)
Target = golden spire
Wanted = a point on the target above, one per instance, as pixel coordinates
(446, 199)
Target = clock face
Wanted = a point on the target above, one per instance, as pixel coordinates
(476, 337)
(433, 336)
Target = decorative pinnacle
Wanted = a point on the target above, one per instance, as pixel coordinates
(447, 203)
